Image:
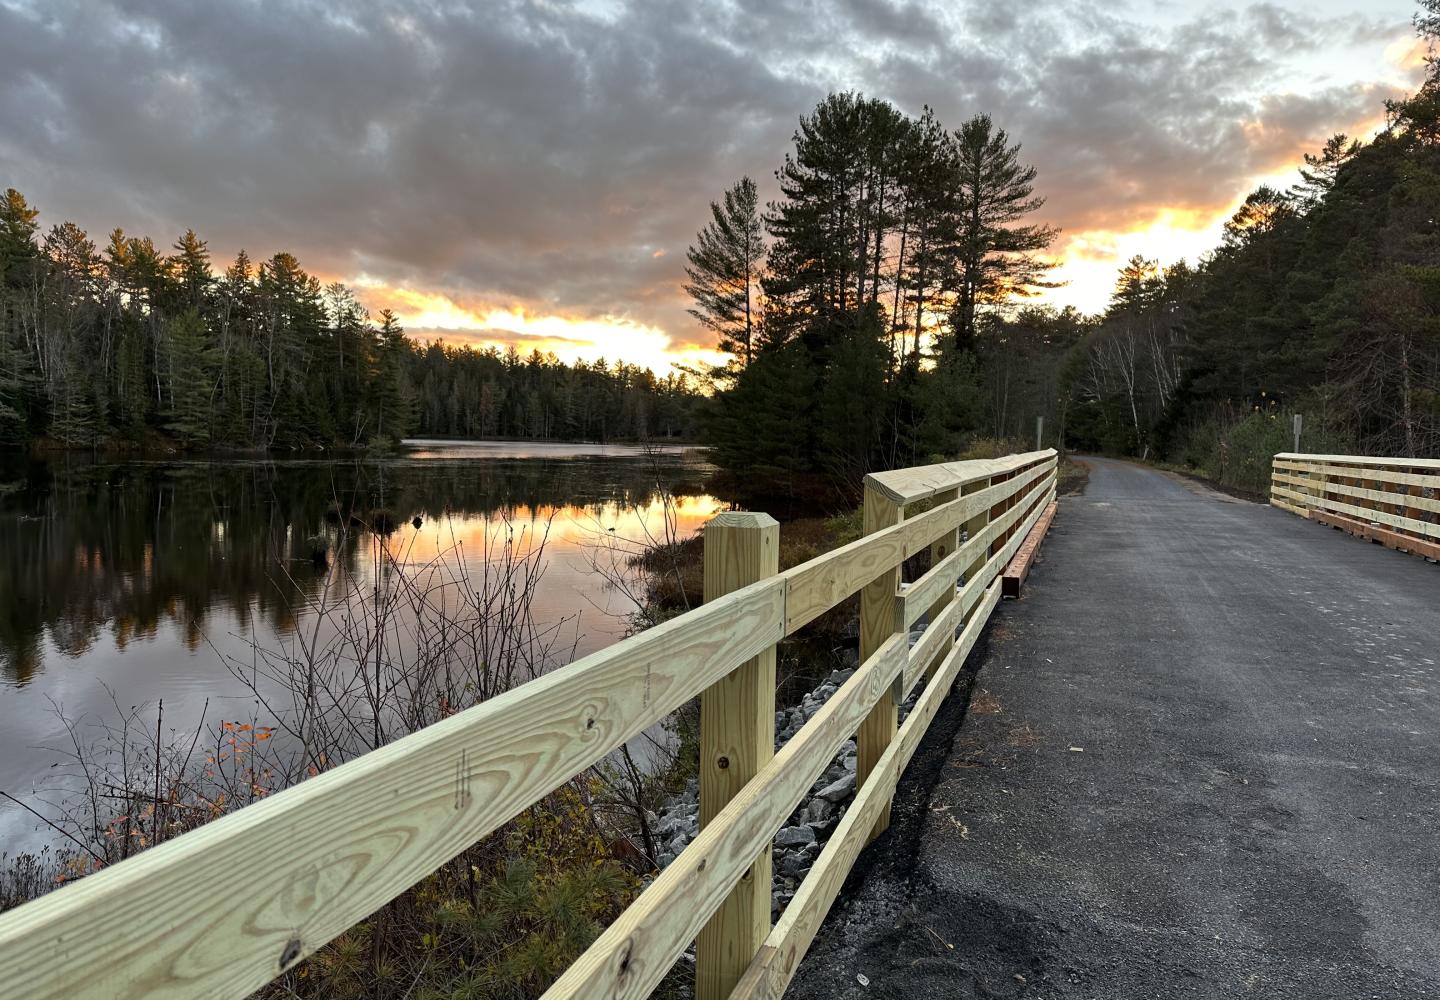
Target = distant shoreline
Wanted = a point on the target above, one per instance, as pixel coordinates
(153, 450)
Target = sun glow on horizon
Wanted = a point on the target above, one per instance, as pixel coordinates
(1090, 260)
(435, 315)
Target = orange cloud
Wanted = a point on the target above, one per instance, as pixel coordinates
(570, 338)
(1090, 257)
(1408, 55)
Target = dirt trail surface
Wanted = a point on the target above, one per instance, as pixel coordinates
(1201, 759)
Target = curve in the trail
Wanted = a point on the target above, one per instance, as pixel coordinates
(1201, 759)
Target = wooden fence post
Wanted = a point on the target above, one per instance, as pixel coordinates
(939, 549)
(998, 511)
(737, 739)
(877, 623)
(974, 526)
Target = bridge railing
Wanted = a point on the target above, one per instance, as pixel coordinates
(1395, 501)
(222, 910)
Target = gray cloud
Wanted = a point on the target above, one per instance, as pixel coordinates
(540, 152)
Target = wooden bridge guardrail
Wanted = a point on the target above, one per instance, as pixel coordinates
(1395, 501)
(222, 910)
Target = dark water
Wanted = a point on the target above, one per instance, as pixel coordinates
(144, 576)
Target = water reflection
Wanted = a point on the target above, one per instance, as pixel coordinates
(145, 577)
(120, 549)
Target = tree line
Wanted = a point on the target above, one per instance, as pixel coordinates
(876, 312)
(1322, 299)
(132, 345)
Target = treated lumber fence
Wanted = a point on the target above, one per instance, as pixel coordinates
(1393, 501)
(221, 911)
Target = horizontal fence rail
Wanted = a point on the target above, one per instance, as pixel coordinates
(223, 910)
(1395, 501)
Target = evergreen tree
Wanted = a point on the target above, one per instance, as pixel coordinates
(19, 256)
(997, 258)
(192, 269)
(1318, 175)
(754, 426)
(885, 227)
(190, 378)
(723, 266)
(395, 402)
(838, 193)
(1138, 285)
(18, 229)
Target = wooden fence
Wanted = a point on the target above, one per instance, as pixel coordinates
(1394, 501)
(221, 911)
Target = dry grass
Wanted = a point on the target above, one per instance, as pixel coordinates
(984, 703)
(1074, 477)
(1024, 737)
(675, 572)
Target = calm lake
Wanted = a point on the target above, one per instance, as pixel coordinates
(154, 579)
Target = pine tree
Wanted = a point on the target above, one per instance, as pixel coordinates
(192, 269)
(820, 250)
(996, 259)
(395, 398)
(723, 266)
(1318, 175)
(18, 229)
(116, 344)
(925, 257)
(19, 256)
(1138, 285)
(190, 361)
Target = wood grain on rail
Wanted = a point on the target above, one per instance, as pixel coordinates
(775, 964)
(907, 486)
(636, 951)
(223, 910)
(818, 585)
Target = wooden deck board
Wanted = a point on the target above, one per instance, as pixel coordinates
(1025, 556)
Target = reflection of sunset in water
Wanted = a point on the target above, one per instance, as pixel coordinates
(145, 577)
(581, 547)
(562, 529)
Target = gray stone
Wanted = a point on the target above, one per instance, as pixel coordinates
(795, 865)
(839, 790)
(817, 810)
(794, 836)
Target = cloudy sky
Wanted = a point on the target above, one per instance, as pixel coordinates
(531, 172)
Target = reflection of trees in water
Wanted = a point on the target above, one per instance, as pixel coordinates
(126, 547)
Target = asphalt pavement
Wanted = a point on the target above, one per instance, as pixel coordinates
(1199, 758)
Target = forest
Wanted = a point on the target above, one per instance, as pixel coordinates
(878, 313)
(134, 347)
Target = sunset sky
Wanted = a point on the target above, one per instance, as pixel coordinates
(531, 173)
